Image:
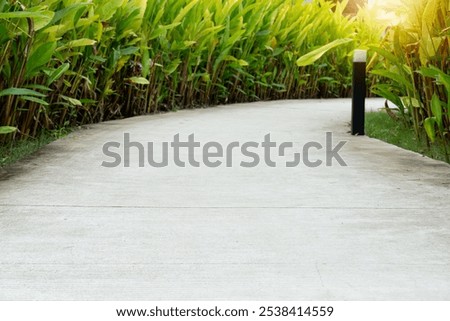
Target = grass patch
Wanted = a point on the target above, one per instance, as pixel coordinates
(15, 151)
(379, 125)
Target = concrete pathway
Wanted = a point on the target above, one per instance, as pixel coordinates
(377, 229)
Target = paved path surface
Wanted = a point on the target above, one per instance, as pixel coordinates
(377, 229)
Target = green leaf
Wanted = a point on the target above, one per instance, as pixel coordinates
(20, 92)
(57, 73)
(87, 101)
(43, 20)
(441, 79)
(37, 86)
(7, 130)
(386, 54)
(313, 56)
(436, 109)
(78, 43)
(429, 128)
(385, 92)
(411, 102)
(68, 10)
(21, 15)
(139, 80)
(145, 62)
(429, 72)
(72, 101)
(128, 51)
(172, 67)
(243, 63)
(185, 11)
(107, 9)
(395, 76)
(161, 29)
(40, 57)
(35, 100)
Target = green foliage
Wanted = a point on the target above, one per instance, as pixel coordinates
(73, 62)
(311, 57)
(416, 61)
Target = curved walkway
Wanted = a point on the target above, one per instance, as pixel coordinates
(376, 229)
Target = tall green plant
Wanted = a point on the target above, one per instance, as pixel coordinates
(416, 64)
(66, 62)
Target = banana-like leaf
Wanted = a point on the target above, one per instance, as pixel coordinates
(429, 124)
(436, 109)
(313, 56)
(21, 15)
(7, 130)
(68, 11)
(20, 92)
(185, 11)
(44, 20)
(107, 9)
(386, 54)
(138, 80)
(395, 76)
(172, 66)
(41, 18)
(41, 56)
(57, 73)
(39, 87)
(72, 101)
(384, 91)
(34, 100)
(441, 79)
(78, 43)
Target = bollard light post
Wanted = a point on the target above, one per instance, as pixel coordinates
(359, 92)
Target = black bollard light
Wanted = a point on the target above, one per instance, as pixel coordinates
(359, 92)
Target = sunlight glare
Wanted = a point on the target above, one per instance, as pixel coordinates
(384, 10)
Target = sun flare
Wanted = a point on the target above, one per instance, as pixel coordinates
(383, 3)
(385, 10)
